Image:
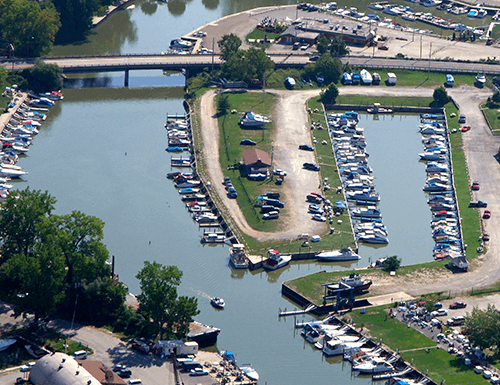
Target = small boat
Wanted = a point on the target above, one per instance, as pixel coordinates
(346, 254)
(174, 149)
(188, 190)
(187, 184)
(290, 82)
(366, 213)
(11, 173)
(450, 80)
(480, 79)
(6, 343)
(372, 236)
(432, 3)
(374, 366)
(275, 260)
(436, 187)
(366, 77)
(250, 372)
(249, 119)
(217, 302)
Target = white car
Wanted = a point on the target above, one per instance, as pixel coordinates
(439, 313)
(279, 172)
(199, 34)
(319, 218)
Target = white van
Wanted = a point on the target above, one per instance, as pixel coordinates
(80, 355)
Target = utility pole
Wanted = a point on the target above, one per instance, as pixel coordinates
(430, 54)
(213, 53)
(420, 47)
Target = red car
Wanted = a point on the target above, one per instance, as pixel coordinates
(487, 214)
(475, 185)
(383, 48)
(458, 305)
(486, 237)
(322, 197)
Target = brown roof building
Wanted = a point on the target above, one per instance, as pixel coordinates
(255, 162)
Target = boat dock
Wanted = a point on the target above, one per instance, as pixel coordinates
(284, 313)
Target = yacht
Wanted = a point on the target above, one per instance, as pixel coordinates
(336, 347)
(431, 3)
(249, 119)
(440, 199)
(374, 237)
(359, 196)
(237, 256)
(11, 173)
(275, 260)
(355, 281)
(180, 43)
(346, 254)
(213, 238)
(366, 213)
(436, 187)
(366, 77)
(436, 167)
(374, 366)
(433, 155)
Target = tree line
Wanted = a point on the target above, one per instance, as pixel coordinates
(55, 266)
(29, 28)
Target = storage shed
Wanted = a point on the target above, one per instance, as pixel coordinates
(256, 162)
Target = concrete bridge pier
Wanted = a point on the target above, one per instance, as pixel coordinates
(127, 75)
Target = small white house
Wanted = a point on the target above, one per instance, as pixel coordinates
(391, 78)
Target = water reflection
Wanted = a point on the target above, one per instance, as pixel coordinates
(177, 7)
(210, 4)
(149, 7)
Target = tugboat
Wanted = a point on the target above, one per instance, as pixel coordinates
(217, 302)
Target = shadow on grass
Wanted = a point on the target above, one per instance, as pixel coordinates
(458, 365)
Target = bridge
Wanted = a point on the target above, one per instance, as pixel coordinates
(173, 62)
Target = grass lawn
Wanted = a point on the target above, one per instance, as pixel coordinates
(392, 332)
(492, 113)
(444, 366)
(230, 154)
(259, 34)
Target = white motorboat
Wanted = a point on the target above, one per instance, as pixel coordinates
(436, 167)
(480, 79)
(366, 77)
(217, 302)
(188, 183)
(375, 365)
(180, 43)
(290, 82)
(437, 187)
(275, 260)
(431, 3)
(336, 347)
(11, 173)
(359, 196)
(250, 372)
(371, 236)
(346, 254)
(6, 343)
(366, 213)
(249, 119)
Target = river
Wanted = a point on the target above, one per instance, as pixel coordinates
(102, 151)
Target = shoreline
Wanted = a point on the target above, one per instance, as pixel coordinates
(117, 5)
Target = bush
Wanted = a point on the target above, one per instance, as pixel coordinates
(392, 263)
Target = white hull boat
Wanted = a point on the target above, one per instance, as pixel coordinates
(346, 254)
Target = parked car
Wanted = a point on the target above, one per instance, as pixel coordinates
(319, 218)
(248, 142)
(487, 214)
(226, 180)
(232, 195)
(306, 147)
(199, 34)
(279, 172)
(486, 237)
(313, 199)
(462, 118)
(124, 373)
(118, 367)
(383, 47)
(313, 210)
(271, 215)
(475, 185)
(311, 166)
(314, 57)
(458, 305)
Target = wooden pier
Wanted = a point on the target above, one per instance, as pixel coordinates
(284, 313)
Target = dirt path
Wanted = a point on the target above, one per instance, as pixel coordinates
(292, 130)
(479, 144)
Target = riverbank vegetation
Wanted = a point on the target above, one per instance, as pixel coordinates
(55, 266)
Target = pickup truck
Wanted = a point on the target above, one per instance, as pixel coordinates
(478, 204)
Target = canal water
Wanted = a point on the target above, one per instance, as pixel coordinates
(102, 151)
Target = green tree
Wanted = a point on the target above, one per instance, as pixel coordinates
(237, 67)
(29, 26)
(329, 94)
(483, 328)
(23, 222)
(158, 300)
(323, 44)
(496, 97)
(223, 104)
(76, 18)
(392, 263)
(338, 46)
(36, 283)
(228, 45)
(329, 68)
(441, 96)
(260, 64)
(43, 77)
